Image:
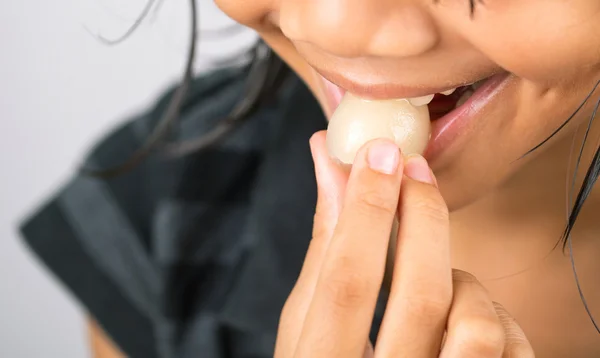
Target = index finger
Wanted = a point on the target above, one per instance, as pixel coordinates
(421, 291)
(340, 314)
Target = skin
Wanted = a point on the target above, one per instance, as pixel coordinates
(100, 343)
(339, 284)
(505, 215)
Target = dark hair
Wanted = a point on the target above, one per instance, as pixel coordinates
(266, 74)
(589, 180)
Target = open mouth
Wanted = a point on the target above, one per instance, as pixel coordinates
(439, 104)
(443, 103)
(451, 111)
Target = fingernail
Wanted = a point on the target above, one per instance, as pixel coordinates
(383, 157)
(416, 168)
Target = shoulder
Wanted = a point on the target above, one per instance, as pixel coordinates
(116, 244)
(98, 236)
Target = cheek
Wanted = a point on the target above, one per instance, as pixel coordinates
(544, 41)
(253, 13)
(505, 134)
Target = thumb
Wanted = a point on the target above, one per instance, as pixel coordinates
(516, 343)
(331, 186)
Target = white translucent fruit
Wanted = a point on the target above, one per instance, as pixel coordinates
(357, 121)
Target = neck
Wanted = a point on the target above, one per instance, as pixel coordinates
(520, 224)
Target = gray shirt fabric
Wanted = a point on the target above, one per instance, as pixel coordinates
(193, 256)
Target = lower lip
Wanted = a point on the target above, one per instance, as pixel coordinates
(449, 128)
(333, 94)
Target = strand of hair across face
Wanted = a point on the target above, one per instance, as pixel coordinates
(574, 209)
(564, 123)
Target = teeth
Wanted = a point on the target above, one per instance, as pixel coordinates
(465, 96)
(449, 92)
(421, 101)
(477, 84)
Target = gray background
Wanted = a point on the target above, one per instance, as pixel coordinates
(60, 90)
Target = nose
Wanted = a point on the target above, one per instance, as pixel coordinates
(360, 28)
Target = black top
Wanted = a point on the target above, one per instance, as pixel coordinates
(194, 256)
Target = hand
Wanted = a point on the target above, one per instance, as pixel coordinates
(432, 310)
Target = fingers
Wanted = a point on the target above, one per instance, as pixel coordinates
(516, 344)
(421, 291)
(331, 184)
(478, 327)
(474, 329)
(339, 318)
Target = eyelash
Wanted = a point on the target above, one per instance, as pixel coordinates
(472, 5)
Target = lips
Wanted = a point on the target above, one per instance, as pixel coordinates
(333, 93)
(451, 114)
(381, 90)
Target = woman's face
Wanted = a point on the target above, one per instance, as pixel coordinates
(543, 58)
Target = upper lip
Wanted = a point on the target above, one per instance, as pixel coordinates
(383, 90)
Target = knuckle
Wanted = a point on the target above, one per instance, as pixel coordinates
(503, 314)
(287, 312)
(319, 229)
(431, 206)
(518, 350)
(463, 276)
(428, 308)
(347, 292)
(480, 337)
(374, 202)
(516, 343)
(346, 287)
(290, 315)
